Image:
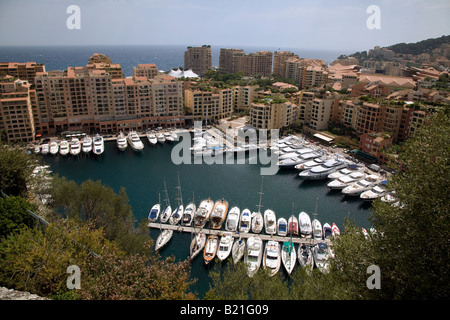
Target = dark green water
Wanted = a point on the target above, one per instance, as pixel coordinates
(142, 175)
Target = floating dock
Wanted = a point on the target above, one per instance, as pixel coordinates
(263, 236)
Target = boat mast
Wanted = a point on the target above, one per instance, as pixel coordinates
(260, 195)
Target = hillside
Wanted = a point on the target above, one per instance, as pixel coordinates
(424, 46)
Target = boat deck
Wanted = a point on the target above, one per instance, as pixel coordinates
(263, 236)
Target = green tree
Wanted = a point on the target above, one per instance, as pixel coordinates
(14, 215)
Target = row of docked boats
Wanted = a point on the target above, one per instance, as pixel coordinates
(74, 146)
(134, 140)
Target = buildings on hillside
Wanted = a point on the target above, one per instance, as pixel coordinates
(198, 59)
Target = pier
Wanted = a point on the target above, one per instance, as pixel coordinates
(263, 236)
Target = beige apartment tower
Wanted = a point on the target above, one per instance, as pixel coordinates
(198, 59)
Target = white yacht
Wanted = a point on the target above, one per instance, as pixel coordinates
(317, 230)
(322, 171)
(272, 257)
(238, 250)
(176, 215)
(288, 256)
(121, 142)
(210, 251)
(134, 141)
(54, 147)
(152, 138)
(345, 171)
(64, 147)
(75, 146)
(86, 144)
(188, 214)
(203, 212)
(197, 244)
(45, 148)
(160, 137)
(163, 238)
(270, 222)
(321, 254)
(311, 163)
(359, 187)
(225, 246)
(233, 219)
(168, 136)
(327, 231)
(154, 213)
(305, 225)
(305, 257)
(245, 221)
(346, 180)
(257, 222)
(37, 148)
(99, 145)
(282, 227)
(253, 254)
(376, 192)
(335, 232)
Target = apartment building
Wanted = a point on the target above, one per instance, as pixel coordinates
(376, 144)
(272, 115)
(16, 112)
(100, 61)
(23, 71)
(279, 60)
(320, 115)
(243, 97)
(198, 59)
(210, 105)
(235, 60)
(147, 70)
(307, 73)
(411, 119)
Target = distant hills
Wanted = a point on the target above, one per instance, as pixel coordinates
(425, 46)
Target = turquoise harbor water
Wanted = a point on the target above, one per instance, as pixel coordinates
(142, 175)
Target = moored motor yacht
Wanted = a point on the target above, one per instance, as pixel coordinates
(45, 148)
(75, 147)
(272, 257)
(253, 255)
(305, 257)
(86, 144)
(203, 212)
(321, 255)
(225, 246)
(311, 163)
(54, 147)
(197, 244)
(376, 192)
(188, 214)
(233, 219)
(154, 213)
(99, 145)
(282, 227)
(335, 232)
(121, 142)
(270, 222)
(352, 167)
(160, 137)
(135, 141)
(305, 225)
(322, 171)
(219, 213)
(293, 226)
(317, 230)
(245, 221)
(346, 180)
(210, 251)
(64, 147)
(359, 187)
(327, 231)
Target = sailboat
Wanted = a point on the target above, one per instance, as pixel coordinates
(272, 257)
(257, 218)
(177, 214)
(197, 244)
(288, 256)
(305, 257)
(316, 226)
(238, 249)
(154, 212)
(165, 215)
(188, 214)
(163, 238)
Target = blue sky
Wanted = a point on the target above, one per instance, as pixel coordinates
(333, 25)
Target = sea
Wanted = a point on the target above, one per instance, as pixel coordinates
(143, 174)
(165, 57)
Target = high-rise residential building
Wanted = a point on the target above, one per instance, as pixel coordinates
(272, 115)
(227, 60)
(307, 73)
(235, 60)
(198, 59)
(279, 59)
(321, 111)
(16, 112)
(209, 105)
(102, 62)
(243, 97)
(148, 70)
(23, 71)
